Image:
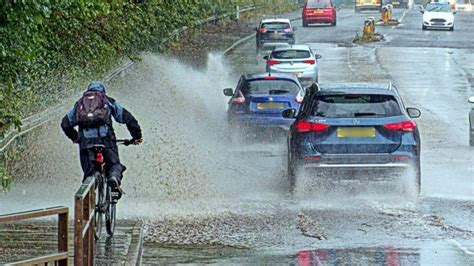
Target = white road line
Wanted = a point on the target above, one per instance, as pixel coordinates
(401, 19)
(461, 247)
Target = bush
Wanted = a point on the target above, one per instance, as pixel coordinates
(48, 46)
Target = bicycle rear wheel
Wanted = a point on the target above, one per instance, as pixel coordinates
(100, 202)
(110, 213)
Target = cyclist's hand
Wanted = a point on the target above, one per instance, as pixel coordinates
(136, 141)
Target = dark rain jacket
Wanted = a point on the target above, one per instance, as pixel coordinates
(105, 135)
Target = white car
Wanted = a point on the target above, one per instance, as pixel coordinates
(463, 5)
(438, 15)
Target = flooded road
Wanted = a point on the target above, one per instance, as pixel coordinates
(205, 199)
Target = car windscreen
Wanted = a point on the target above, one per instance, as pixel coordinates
(270, 87)
(318, 4)
(291, 54)
(276, 25)
(438, 8)
(352, 105)
(463, 2)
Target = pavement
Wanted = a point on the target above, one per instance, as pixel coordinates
(35, 238)
(204, 199)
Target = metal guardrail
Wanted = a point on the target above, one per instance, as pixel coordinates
(84, 226)
(61, 257)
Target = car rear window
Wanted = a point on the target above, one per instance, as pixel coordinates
(291, 54)
(276, 25)
(318, 4)
(270, 87)
(351, 106)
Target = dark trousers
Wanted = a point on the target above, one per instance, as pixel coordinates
(113, 167)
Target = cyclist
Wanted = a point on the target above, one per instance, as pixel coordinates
(92, 115)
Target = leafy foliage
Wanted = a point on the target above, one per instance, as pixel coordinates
(48, 46)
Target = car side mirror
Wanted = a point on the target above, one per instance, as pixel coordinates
(413, 112)
(256, 29)
(422, 11)
(454, 12)
(228, 92)
(265, 57)
(289, 113)
(471, 99)
(318, 56)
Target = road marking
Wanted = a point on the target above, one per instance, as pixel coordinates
(461, 247)
(401, 19)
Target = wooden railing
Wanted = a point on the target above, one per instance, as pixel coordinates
(84, 226)
(61, 257)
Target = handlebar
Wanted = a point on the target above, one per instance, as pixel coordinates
(126, 142)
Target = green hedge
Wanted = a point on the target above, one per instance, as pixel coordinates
(47, 46)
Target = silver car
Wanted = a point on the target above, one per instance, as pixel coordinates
(297, 60)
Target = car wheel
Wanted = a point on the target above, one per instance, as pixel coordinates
(471, 132)
(334, 23)
(291, 174)
(452, 28)
(418, 177)
(423, 27)
(305, 23)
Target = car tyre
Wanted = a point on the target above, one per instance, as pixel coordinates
(334, 23)
(418, 177)
(423, 27)
(452, 28)
(305, 23)
(291, 174)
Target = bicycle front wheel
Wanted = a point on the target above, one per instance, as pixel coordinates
(110, 213)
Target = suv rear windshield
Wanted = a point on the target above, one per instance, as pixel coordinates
(351, 106)
(275, 25)
(291, 54)
(318, 4)
(270, 87)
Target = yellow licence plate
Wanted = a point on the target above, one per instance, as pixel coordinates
(318, 11)
(356, 132)
(270, 105)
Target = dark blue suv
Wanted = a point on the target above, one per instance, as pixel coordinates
(352, 126)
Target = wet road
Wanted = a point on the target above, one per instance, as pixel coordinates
(206, 200)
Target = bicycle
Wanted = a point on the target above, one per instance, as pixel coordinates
(104, 203)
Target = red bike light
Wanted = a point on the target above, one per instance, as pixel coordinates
(99, 158)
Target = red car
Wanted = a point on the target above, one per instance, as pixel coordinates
(319, 11)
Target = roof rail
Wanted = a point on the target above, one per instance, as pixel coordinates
(390, 86)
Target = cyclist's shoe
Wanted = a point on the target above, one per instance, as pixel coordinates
(116, 191)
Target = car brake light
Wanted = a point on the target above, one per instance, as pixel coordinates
(299, 99)
(308, 11)
(401, 126)
(262, 30)
(310, 61)
(272, 62)
(269, 77)
(303, 126)
(238, 100)
(312, 158)
(99, 158)
(288, 30)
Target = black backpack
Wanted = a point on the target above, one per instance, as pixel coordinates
(93, 110)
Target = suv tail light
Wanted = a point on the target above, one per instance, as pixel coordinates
(262, 30)
(310, 61)
(407, 126)
(303, 126)
(99, 158)
(272, 62)
(308, 11)
(288, 30)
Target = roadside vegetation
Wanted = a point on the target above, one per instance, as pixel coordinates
(50, 47)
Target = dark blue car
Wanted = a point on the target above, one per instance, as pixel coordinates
(353, 126)
(259, 100)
